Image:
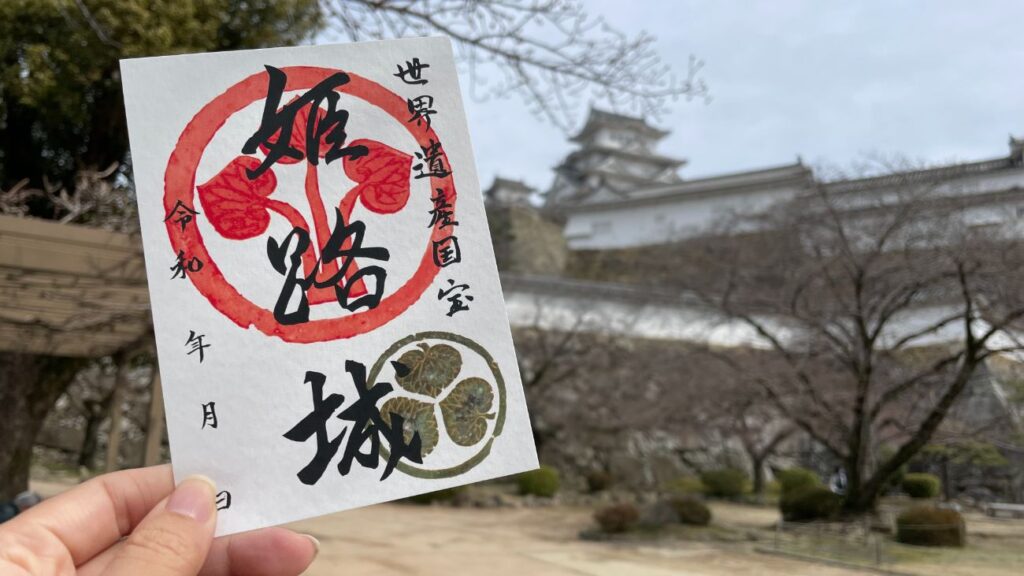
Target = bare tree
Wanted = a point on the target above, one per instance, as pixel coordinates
(556, 352)
(588, 373)
(550, 52)
(96, 199)
(706, 401)
(878, 300)
(747, 415)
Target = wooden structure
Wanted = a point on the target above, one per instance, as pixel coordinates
(69, 290)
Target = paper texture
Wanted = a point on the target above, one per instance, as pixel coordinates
(325, 297)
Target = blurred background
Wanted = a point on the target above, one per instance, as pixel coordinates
(762, 261)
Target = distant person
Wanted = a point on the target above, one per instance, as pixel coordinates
(837, 482)
(137, 522)
(21, 502)
(8, 510)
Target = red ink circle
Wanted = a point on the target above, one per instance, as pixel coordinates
(180, 184)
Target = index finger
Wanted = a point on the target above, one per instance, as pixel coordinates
(90, 518)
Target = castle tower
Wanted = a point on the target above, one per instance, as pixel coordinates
(524, 241)
(616, 156)
(506, 192)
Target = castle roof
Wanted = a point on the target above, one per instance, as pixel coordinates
(796, 174)
(598, 119)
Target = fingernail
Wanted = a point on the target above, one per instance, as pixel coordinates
(193, 498)
(316, 545)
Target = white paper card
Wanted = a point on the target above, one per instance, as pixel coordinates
(325, 297)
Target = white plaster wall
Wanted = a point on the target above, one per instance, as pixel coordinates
(672, 219)
(569, 311)
(681, 217)
(638, 319)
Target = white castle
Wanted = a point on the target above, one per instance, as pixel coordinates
(617, 191)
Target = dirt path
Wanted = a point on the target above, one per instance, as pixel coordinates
(408, 540)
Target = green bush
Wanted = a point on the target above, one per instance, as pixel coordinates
(929, 526)
(796, 478)
(810, 503)
(543, 482)
(598, 481)
(918, 485)
(617, 518)
(691, 511)
(686, 485)
(446, 495)
(726, 483)
(895, 480)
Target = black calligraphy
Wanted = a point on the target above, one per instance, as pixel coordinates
(223, 500)
(275, 131)
(197, 345)
(446, 251)
(412, 72)
(210, 415)
(184, 214)
(431, 161)
(345, 244)
(454, 294)
(421, 109)
(183, 266)
(443, 212)
(367, 427)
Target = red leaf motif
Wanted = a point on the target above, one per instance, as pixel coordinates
(382, 176)
(235, 205)
(297, 139)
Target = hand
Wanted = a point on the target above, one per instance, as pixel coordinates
(136, 522)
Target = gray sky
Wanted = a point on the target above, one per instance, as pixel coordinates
(827, 80)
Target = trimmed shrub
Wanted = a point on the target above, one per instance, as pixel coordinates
(598, 481)
(797, 478)
(726, 483)
(658, 515)
(691, 511)
(446, 495)
(686, 485)
(810, 503)
(918, 485)
(617, 518)
(929, 526)
(543, 482)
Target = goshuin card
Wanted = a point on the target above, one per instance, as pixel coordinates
(329, 322)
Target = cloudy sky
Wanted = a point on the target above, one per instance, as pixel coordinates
(827, 80)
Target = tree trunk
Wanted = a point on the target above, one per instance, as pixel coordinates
(757, 473)
(155, 422)
(861, 492)
(864, 498)
(29, 386)
(87, 454)
(947, 491)
(116, 412)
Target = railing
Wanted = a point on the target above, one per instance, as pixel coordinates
(861, 545)
(853, 543)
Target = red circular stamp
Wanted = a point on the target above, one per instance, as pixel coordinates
(245, 213)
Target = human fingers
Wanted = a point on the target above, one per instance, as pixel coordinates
(174, 538)
(88, 519)
(268, 551)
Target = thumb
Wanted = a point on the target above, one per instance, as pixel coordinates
(174, 538)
